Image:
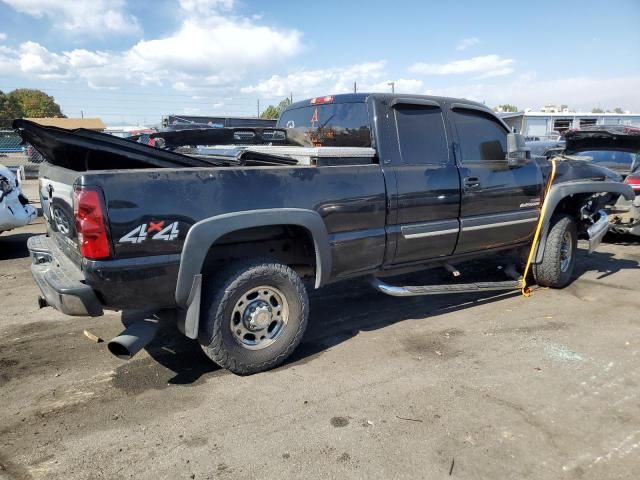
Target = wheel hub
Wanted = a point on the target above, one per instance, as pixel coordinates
(258, 315)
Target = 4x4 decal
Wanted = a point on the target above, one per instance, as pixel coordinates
(142, 232)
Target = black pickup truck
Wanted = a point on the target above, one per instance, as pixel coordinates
(230, 240)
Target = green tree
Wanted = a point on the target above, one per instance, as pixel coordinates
(507, 107)
(274, 112)
(270, 112)
(9, 109)
(597, 110)
(618, 110)
(35, 103)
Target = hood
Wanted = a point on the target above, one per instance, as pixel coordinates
(615, 137)
(569, 170)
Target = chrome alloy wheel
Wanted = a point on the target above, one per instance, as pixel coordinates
(566, 251)
(259, 317)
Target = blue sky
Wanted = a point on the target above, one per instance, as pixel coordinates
(131, 62)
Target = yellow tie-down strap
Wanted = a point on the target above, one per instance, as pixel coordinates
(526, 291)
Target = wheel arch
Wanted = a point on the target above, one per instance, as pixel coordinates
(563, 191)
(204, 234)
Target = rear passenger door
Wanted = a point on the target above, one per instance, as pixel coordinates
(499, 203)
(427, 181)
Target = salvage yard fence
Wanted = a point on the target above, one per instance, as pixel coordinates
(10, 142)
(12, 149)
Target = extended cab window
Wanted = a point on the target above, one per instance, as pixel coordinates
(481, 136)
(328, 125)
(421, 134)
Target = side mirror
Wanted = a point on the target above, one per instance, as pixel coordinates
(517, 151)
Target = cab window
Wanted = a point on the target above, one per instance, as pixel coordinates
(481, 137)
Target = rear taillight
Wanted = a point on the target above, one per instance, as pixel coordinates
(634, 181)
(90, 224)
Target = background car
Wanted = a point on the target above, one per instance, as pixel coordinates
(15, 210)
(615, 147)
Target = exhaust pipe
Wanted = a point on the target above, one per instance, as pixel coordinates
(134, 338)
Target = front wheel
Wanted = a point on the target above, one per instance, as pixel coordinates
(254, 315)
(559, 254)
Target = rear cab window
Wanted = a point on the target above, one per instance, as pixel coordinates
(421, 134)
(344, 124)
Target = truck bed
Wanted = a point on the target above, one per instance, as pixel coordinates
(86, 150)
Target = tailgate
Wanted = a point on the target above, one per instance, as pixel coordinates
(56, 198)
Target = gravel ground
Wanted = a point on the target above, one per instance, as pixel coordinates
(458, 386)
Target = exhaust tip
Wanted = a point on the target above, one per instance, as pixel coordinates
(134, 338)
(119, 350)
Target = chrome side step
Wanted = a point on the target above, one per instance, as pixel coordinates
(418, 290)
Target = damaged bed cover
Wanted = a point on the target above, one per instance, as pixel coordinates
(83, 150)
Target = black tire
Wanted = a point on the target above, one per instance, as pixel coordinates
(222, 293)
(559, 254)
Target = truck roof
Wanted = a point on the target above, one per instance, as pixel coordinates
(362, 97)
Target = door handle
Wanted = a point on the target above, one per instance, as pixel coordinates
(471, 183)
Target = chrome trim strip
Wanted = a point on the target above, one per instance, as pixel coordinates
(498, 224)
(409, 236)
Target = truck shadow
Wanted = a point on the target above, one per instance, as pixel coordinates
(14, 245)
(604, 263)
(342, 310)
(619, 239)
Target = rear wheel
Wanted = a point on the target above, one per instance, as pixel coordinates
(254, 315)
(559, 254)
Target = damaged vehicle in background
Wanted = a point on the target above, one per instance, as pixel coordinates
(617, 148)
(15, 210)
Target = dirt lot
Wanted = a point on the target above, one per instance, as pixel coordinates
(464, 386)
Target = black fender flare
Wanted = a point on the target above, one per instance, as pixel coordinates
(561, 191)
(205, 233)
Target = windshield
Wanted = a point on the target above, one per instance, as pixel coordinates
(328, 125)
(613, 159)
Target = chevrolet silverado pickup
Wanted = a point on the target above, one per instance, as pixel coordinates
(230, 238)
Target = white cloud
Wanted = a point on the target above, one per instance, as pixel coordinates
(484, 66)
(3, 37)
(213, 45)
(210, 48)
(37, 60)
(319, 82)
(205, 7)
(81, 16)
(9, 59)
(527, 91)
(467, 43)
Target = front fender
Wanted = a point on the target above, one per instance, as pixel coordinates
(205, 233)
(563, 190)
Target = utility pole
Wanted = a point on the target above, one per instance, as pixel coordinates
(393, 86)
(81, 113)
(355, 88)
(258, 108)
(291, 97)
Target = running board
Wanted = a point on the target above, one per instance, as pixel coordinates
(418, 290)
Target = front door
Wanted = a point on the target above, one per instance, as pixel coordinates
(500, 204)
(428, 185)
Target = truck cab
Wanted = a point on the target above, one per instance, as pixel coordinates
(451, 190)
